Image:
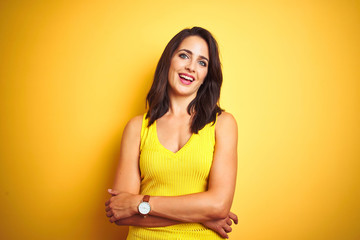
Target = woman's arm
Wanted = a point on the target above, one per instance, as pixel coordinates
(220, 226)
(127, 178)
(215, 203)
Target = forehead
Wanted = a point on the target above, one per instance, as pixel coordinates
(196, 45)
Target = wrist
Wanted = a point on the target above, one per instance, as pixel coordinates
(138, 199)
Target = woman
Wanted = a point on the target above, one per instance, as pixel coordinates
(177, 169)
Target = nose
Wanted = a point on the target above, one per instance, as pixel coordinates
(191, 66)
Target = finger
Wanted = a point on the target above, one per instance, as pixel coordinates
(108, 208)
(107, 202)
(112, 219)
(234, 217)
(109, 214)
(227, 228)
(223, 233)
(228, 221)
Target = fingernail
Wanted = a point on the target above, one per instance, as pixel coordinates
(109, 190)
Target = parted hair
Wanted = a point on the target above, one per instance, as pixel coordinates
(205, 106)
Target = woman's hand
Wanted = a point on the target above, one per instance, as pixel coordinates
(121, 205)
(222, 226)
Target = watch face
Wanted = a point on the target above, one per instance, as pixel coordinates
(144, 208)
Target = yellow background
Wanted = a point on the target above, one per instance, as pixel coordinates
(72, 73)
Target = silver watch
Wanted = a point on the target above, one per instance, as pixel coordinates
(144, 207)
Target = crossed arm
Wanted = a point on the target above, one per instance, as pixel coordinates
(211, 208)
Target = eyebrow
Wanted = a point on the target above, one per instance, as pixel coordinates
(190, 52)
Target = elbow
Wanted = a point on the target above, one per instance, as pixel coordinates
(222, 213)
(220, 210)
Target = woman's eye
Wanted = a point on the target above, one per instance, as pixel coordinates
(183, 55)
(202, 63)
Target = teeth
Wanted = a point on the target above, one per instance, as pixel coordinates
(186, 77)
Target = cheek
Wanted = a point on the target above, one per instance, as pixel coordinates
(171, 69)
(175, 63)
(203, 74)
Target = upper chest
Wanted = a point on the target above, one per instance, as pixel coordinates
(172, 133)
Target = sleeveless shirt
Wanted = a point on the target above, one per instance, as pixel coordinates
(165, 173)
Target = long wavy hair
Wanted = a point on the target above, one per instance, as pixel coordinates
(205, 106)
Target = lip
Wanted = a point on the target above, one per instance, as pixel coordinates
(185, 82)
(188, 75)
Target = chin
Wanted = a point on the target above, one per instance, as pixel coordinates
(185, 93)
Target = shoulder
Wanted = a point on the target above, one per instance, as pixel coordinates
(226, 132)
(226, 121)
(134, 125)
(226, 128)
(135, 121)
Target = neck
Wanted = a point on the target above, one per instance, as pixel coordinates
(179, 104)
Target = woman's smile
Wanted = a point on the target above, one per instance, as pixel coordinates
(186, 79)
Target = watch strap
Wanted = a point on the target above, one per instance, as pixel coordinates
(146, 198)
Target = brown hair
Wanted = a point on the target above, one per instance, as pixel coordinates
(206, 103)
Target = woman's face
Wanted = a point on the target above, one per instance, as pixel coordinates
(188, 67)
